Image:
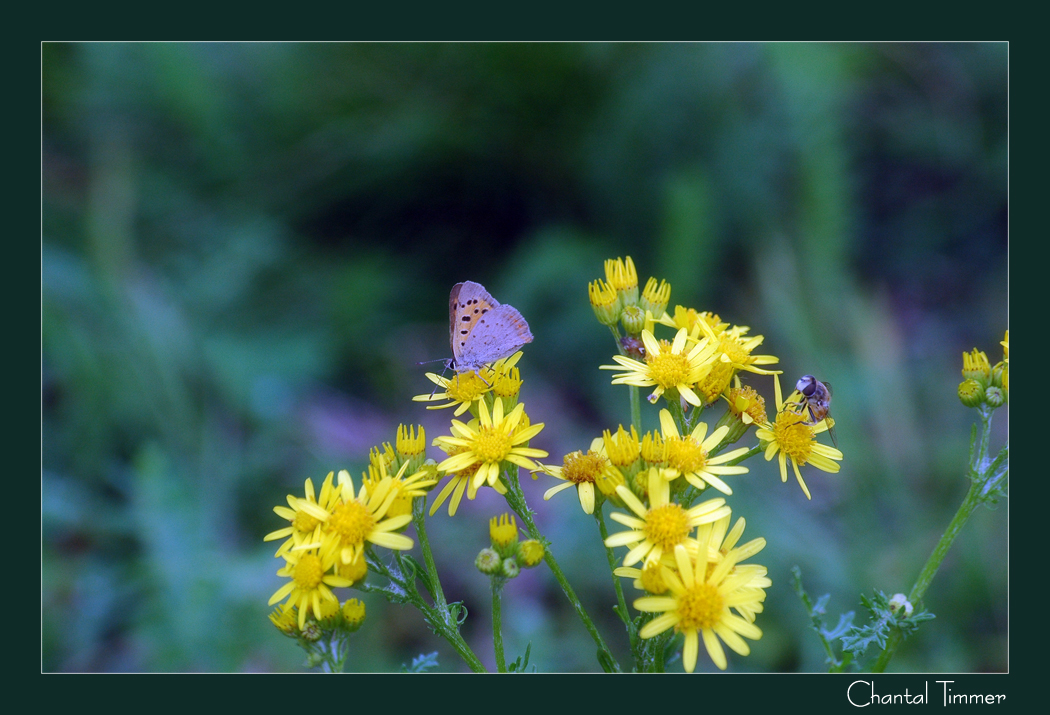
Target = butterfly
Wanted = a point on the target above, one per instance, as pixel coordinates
(482, 330)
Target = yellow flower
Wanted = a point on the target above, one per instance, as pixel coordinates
(306, 525)
(465, 388)
(285, 618)
(976, 366)
(355, 571)
(649, 577)
(531, 553)
(489, 443)
(622, 276)
(736, 348)
(689, 456)
(703, 590)
(353, 612)
(667, 366)
(747, 404)
(460, 482)
(363, 517)
(655, 297)
(690, 319)
(410, 443)
(503, 531)
(404, 489)
(585, 470)
(623, 449)
(663, 525)
(788, 438)
(310, 581)
(605, 301)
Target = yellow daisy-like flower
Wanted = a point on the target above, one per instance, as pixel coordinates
(489, 443)
(689, 318)
(310, 581)
(355, 571)
(699, 606)
(585, 471)
(736, 348)
(649, 577)
(788, 438)
(362, 518)
(306, 526)
(747, 404)
(662, 526)
(404, 489)
(465, 388)
(689, 456)
(460, 482)
(667, 366)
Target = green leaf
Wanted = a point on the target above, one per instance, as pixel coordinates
(421, 663)
(519, 665)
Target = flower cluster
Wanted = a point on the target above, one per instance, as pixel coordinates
(328, 533)
(507, 555)
(668, 487)
(982, 383)
(680, 549)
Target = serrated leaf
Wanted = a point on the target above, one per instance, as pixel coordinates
(421, 663)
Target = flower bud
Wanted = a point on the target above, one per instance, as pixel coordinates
(976, 366)
(503, 532)
(311, 631)
(510, 568)
(605, 301)
(970, 393)
(488, 562)
(530, 553)
(353, 612)
(995, 396)
(900, 604)
(633, 319)
(655, 298)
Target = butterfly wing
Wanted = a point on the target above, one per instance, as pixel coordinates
(497, 334)
(481, 329)
(467, 304)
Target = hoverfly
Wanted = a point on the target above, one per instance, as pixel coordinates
(816, 397)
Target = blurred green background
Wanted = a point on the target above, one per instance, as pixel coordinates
(248, 247)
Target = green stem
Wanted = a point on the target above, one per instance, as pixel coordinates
(516, 500)
(419, 508)
(497, 623)
(636, 407)
(625, 616)
(974, 496)
(440, 619)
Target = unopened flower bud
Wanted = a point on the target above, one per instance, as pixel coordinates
(488, 561)
(510, 568)
(994, 396)
(970, 393)
(900, 604)
(530, 553)
(633, 319)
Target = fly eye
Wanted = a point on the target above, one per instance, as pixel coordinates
(809, 389)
